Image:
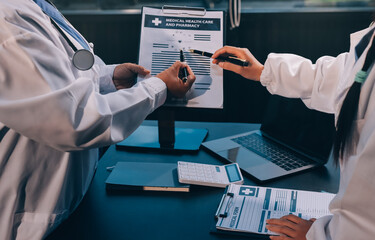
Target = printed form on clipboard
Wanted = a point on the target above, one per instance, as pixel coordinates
(246, 208)
(164, 33)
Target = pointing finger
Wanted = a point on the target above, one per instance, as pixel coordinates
(281, 222)
(231, 67)
(137, 69)
(281, 229)
(227, 50)
(292, 218)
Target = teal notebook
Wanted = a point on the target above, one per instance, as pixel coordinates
(145, 176)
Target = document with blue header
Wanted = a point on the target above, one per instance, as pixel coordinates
(246, 208)
(165, 33)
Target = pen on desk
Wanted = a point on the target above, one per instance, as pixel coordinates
(185, 73)
(231, 59)
(109, 169)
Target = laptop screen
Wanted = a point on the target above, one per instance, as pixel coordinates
(291, 122)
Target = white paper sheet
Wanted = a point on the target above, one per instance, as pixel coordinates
(162, 37)
(251, 206)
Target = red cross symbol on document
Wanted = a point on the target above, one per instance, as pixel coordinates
(156, 21)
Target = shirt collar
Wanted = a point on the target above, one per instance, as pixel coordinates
(363, 43)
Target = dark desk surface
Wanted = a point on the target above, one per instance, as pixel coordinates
(168, 215)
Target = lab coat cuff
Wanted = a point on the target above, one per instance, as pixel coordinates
(159, 88)
(320, 229)
(266, 77)
(106, 79)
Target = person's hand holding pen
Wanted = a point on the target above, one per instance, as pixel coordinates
(252, 71)
(183, 72)
(176, 86)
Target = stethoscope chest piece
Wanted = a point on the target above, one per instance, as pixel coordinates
(83, 59)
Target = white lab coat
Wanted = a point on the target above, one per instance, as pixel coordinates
(323, 86)
(53, 117)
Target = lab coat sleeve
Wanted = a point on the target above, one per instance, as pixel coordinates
(41, 98)
(293, 76)
(320, 229)
(106, 84)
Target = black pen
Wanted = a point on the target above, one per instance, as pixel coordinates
(185, 73)
(230, 59)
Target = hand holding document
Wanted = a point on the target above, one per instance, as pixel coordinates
(184, 71)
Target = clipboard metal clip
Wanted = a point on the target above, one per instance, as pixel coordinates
(226, 201)
(180, 10)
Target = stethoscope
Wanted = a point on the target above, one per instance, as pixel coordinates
(83, 57)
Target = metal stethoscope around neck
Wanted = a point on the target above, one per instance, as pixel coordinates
(83, 58)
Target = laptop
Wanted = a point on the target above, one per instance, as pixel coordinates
(292, 138)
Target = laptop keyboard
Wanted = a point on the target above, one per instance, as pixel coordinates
(271, 151)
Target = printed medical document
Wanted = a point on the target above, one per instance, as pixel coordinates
(163, 35)
(246, 208)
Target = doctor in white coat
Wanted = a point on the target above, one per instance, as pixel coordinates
(343, 85)
(54, 115)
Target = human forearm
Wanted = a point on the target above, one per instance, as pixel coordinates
(293, 76)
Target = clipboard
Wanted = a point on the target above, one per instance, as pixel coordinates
(164, 33)
(239, 235)
(245, 209)
(193, 11)
(167, 30)
(223, 210)
(225, 203)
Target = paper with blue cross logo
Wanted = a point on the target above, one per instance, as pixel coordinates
(247, 191)
(248, 207)
(163, 35)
